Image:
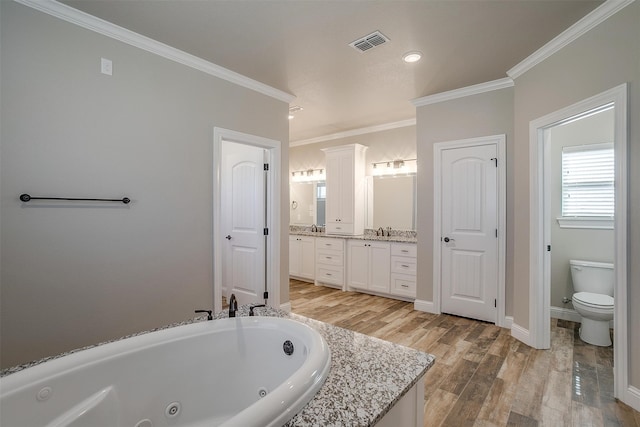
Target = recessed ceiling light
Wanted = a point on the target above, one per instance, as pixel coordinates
(412, 56)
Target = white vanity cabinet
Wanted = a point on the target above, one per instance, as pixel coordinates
(302, 257)
(330, 262)
(403, 269)
(368, 265)
(345, 205)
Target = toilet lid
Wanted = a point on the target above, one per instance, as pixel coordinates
(600, 300)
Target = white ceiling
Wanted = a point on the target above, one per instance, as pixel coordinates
(301, 47)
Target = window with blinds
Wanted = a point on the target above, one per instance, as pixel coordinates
(588, 181)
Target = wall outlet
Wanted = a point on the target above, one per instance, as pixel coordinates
(106, 66)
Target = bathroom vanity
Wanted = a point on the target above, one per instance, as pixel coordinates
(380, 265)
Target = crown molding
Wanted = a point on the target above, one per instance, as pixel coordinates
(463, 92)
(591, 20)
(355, 132)
(100, 26)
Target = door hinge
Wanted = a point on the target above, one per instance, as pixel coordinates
(548, 248)
(265, 231)
(495, 303)
(496, 232)
(266, 166)
(265, 295)
(496, 160)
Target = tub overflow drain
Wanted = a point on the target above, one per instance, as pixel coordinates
(288, 347)
(173, 409)
(262, 392)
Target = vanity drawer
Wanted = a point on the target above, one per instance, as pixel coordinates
(330, 257)
(328, 243)
(339, 228)
(334, 276)
(400, 249)
(403, 285)
(403, 265)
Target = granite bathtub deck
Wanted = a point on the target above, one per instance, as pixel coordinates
(367, 376)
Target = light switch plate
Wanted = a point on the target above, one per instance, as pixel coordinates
(106, 66)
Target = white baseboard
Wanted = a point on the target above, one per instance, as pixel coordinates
(564, 314)
(568, 314)
(521, 334)
(508, 322)
(286, 307)
(426, 306)
(632, 397)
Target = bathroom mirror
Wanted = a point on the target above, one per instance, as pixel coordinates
(307, 203)
(391, 202)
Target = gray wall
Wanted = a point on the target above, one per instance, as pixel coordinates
(474, 116)
(75, 274)
(601, 59)
(575, 243)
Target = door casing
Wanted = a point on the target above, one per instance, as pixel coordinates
(500, 142)
(221, 135)
(539, 333)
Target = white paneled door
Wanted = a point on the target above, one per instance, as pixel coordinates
(243, 222)
(469, 227)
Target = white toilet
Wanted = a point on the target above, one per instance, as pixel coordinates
(593, 300)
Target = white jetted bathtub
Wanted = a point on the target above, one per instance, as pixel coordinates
(244, 371)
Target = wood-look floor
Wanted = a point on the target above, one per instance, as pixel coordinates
(482, 375)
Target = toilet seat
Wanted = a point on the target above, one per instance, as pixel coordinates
(592, 300)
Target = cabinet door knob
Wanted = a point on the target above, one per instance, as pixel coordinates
(228, 237)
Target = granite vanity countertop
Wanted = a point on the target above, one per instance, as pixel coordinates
(400, 238)
(367, 376)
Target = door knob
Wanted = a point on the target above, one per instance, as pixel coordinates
(446, 240)
(228, 237)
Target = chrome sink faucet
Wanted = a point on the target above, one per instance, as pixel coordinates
(233, 306)
(314, 228)
(380, 232)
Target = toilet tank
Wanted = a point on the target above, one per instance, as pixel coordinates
(589, 276)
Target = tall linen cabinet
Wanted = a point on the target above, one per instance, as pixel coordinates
(345, 206)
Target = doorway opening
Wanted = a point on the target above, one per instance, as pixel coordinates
(258, 243)
(541, 249)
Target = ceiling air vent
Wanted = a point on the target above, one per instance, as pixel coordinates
(369, 41)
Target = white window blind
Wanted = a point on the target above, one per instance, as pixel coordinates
(588, 181)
